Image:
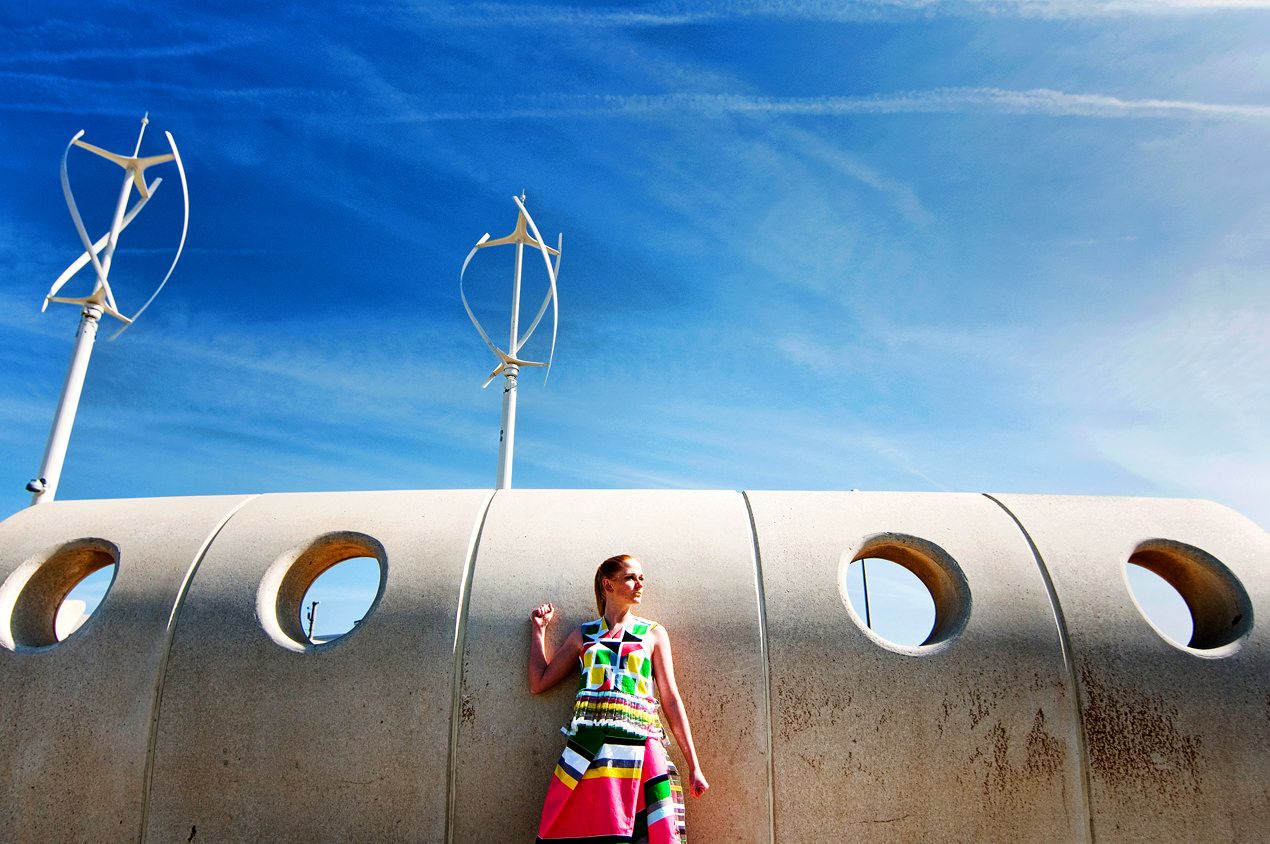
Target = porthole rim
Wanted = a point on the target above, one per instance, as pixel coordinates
(15, 584)
(937, 557)
(1217, 569)
(269, 593)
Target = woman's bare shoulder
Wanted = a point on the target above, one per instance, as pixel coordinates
(658, 632)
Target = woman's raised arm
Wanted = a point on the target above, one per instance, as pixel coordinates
(545, 669)
(672, 704)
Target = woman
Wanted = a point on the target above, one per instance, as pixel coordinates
(614, 778)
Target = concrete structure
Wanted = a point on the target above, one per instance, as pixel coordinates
(1044, 707)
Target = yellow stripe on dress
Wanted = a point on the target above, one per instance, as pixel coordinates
(623, 773)
(566, 777)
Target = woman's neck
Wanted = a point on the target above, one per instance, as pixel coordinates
(616, 616)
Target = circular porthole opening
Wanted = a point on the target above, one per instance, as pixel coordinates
(906, 593)
(321, 591)
(49, 598)
(340, 598)
(892, 601)
(1214, 609)
(1163, 605)
(83, 600)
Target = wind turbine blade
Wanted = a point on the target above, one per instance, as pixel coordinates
(78, 263)
(501, 368)
(74, 209)
(551, 278)
(109, 296)
(75, 267)
(555, 307)
(537, 318)
(550, 297)
(185, 228)
(468, 308)
(468, 260)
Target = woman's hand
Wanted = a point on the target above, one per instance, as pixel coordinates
(697, 785)
(541, 617)
(547, 669)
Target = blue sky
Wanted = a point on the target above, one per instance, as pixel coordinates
(989, 247)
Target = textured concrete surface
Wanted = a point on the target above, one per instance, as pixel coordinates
(698, 558)
(1044, 707)
(340, 742)
(1178, 739)
(76, 717)
(972, 739)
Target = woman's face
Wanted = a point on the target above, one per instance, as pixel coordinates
(627, 585)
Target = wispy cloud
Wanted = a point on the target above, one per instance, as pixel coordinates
(1040, 101)
(61, 41)
(1100, 241)
(506, 14)
(883, 344)
(658, 15)
(827, 157)
(46, 92)
(1114, 8)
(55, 93)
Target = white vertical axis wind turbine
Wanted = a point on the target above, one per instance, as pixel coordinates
(102, 299)
(509, 362)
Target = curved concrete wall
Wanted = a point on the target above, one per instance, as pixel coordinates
(970, 740)
(1043, 708)
(1178, 740)
(77, 718)
(344, 742)
(545, 545)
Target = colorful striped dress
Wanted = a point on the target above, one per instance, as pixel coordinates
(614, 782)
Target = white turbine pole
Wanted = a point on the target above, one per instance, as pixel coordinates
(507, 434)
(101, 300)
(510, 364)
(44, 487)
